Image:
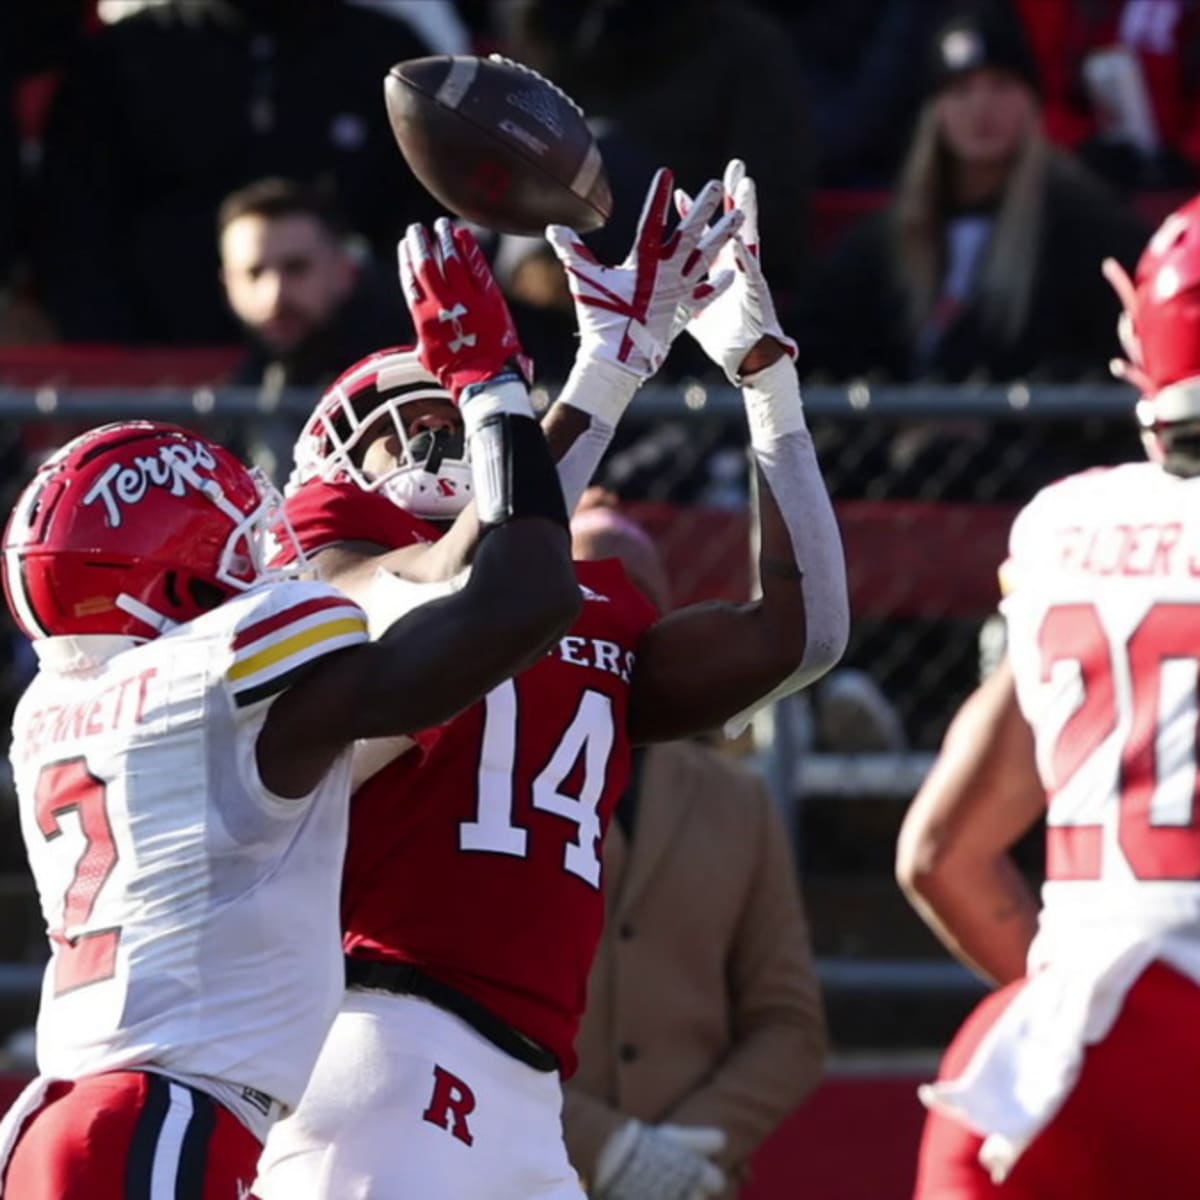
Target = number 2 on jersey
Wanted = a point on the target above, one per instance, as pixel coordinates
(589, 736)
(1158, 832)
(63, 787)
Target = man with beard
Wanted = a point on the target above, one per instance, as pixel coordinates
(307, 301)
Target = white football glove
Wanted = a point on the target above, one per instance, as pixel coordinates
(731, 326)
(627, 313)
(660, 1162)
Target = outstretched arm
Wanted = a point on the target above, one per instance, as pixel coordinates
(628, 316)
(479, 343)
(716, 663)
(436, 659)
(952, 857)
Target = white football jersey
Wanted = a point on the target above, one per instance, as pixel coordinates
(193, 916)
(1102, 600)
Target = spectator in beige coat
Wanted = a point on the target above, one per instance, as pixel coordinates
(704, 1026)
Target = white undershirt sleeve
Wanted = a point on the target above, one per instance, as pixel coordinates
(603, 391)
(783, 449)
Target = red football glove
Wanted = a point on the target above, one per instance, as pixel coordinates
(465, 333)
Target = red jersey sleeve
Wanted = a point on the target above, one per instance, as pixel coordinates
(322, 514)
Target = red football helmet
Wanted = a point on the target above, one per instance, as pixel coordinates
(433, 480)
(1160, 328)
(131, 529)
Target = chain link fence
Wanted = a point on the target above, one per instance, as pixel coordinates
(926, 481)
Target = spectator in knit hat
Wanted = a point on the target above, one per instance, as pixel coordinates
(987, 262)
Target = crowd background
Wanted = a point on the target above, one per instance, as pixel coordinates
(204, 193)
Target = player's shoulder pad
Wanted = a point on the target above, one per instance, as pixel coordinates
(277, 631)
(1067, 501)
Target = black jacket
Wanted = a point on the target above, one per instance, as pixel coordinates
(695, 83)
(857, 325)
(164, 113)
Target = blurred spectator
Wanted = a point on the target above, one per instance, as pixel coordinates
(10, 164)
(988, 260)
(861, 92)
(695, 82)
(168, 110)
(35, 38)
(1122, 85)
(309, 305)
(704, 1026)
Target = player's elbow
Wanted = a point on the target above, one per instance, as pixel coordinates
(816, 648)
(937, 871)
(825, 646)
(802, 638)
(923, 864)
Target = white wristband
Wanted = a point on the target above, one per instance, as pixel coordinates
(773, 404)
(486, 399)
(599, 388)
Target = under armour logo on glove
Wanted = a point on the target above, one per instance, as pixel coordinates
(454, 316)
(446, 279)
(627, 313)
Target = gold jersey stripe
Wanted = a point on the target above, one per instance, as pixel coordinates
(295, 644)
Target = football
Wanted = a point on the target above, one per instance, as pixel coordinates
(497, 144)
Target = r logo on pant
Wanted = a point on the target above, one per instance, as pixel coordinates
(450, 1105)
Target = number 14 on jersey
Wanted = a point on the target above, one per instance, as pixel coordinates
(587, 740)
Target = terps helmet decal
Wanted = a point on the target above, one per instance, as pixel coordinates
(132, 528)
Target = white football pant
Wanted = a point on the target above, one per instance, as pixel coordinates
(408, 1102)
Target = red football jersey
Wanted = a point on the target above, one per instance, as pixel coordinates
(480, 859)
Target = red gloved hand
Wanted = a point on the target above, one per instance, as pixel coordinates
(465, 332)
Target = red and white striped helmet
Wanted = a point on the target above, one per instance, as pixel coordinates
(432, 480)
